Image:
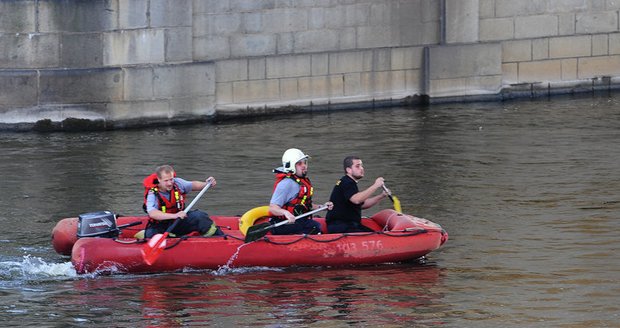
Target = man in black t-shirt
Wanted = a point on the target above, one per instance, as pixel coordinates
(346, 216)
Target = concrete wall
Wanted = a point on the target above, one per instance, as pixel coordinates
(120, 62)
(135, 62)
(314, 53)
(554, 46)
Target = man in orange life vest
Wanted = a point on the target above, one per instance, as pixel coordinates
(164, 201)
(292, 195)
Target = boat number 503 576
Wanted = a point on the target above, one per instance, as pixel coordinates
(367, 245)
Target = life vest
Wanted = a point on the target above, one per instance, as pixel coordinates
(175, 204)
(302, 203)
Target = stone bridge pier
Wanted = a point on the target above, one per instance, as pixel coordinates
(104, 64)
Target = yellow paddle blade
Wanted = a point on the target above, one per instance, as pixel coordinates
(396, 204)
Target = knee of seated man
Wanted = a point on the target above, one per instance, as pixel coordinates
(212, 231)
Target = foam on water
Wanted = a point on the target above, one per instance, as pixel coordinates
(228, 269)
(35, 268)
(225, 270)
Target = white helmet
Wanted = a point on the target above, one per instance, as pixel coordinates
(290, 158)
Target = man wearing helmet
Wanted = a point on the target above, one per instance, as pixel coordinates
(349, 201)
(292, 195)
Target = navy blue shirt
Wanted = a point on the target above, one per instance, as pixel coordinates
(343, 209)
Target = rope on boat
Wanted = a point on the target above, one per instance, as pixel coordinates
(182, 238)
(385, 227)
(399, 233)
(343, 235)
(411, 233)
(178, 241)
(130, 241)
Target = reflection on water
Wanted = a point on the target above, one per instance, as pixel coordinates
(296, 297)
(529, 192)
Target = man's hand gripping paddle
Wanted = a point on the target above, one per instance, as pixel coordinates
(258, 231)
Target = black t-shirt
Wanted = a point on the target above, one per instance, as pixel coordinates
(343, 209)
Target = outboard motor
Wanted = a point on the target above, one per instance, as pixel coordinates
(97, 224)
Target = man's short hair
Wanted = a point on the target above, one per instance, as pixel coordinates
(164, 169)
(348, 162)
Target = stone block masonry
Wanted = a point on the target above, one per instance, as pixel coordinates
(141, 62)
(120, 62)
(554, 46)
(319, 79)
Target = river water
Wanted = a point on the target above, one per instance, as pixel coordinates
(529, 192)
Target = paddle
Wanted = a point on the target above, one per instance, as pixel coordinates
(394, 200)
(155, 246)
(258, 231)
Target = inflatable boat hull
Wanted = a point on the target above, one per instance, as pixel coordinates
(397, 238)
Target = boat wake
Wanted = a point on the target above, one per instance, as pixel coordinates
(228, 269)
(225, 270)
(32, 268)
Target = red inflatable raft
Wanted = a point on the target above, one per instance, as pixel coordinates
(396, 238)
